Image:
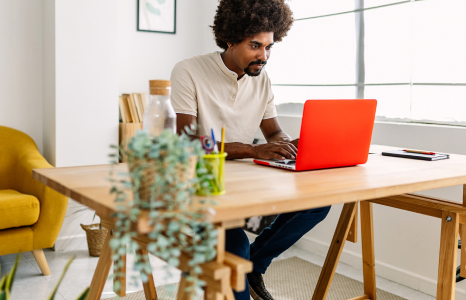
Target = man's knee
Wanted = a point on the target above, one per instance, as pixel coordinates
(318, 214)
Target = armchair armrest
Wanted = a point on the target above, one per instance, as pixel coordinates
(52, 204)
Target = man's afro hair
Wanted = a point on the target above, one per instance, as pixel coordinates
(238, 19)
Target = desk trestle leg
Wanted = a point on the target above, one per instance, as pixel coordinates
(368, 257)
(464, 195)
(120, 276)
(338, 241)
(353, 232)
(463, 239)
(103, 267)
(363, 297)
(448, 255)
(149, 286)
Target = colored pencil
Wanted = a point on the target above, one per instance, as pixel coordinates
(222, 147)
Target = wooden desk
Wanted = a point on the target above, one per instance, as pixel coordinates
(257, 190)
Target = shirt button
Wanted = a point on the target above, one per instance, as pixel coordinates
(233, 96)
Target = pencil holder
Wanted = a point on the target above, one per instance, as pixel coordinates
(214, 182)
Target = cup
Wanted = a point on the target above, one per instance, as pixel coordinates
(214, 181)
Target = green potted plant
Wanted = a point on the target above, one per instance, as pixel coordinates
(163, 174)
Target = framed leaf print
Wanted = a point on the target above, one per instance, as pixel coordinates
(157, 16)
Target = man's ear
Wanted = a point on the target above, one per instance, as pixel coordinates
(230, 45)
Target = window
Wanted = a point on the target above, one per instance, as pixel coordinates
(409, 55)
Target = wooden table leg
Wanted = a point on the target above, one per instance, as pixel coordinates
(230, 295)
(333, 255)
(353, 232)
(368, 257)
(212, 294)
(182, 293)
(120, 276)
(220, 243)
(447, 256)
(462, 231)
(149, 286)
(464, 194)
(102, 270)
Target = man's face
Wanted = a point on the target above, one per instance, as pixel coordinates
(253, 52)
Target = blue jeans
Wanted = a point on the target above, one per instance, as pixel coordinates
(285, 230)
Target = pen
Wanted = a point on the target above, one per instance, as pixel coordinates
(215, 141)
(420, 152)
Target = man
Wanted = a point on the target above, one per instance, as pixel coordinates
(230, 88)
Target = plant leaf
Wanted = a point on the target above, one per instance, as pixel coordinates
(2, 283)
(11, 277)
(55, 289)
(84, 295)
(4, 295)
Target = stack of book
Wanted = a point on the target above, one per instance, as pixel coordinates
(132, 107)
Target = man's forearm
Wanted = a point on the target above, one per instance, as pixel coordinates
(281, 136)
(239, 150)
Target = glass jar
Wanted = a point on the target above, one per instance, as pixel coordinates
(159, 114)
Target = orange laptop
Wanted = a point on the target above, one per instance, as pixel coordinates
(334, 133)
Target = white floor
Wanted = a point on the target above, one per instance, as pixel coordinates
(31, 285)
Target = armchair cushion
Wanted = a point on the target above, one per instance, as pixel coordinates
(18, 209)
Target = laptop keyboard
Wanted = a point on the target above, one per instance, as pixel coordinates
(287, 162)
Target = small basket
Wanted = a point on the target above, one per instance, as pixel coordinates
(95, 238)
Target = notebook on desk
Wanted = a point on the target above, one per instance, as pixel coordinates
(334, 133)
(403, 154)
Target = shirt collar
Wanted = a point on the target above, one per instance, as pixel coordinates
(225, 70)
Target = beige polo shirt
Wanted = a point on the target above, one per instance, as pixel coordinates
(204, 87)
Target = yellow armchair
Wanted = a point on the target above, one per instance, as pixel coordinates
(31, 214)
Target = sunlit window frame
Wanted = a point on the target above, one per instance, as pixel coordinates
(360, 70)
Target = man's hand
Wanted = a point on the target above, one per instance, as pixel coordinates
(275, 150)
(279, 146)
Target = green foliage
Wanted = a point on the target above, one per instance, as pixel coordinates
(6, 283)
(55, 289)
(179, 226)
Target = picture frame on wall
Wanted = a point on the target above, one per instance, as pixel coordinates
(157, 16)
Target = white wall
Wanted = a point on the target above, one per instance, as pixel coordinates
(80, 92)
(86, 103)
(21, 67)
(48, 81)
(148, 55)
(406, 244)
(208, 12)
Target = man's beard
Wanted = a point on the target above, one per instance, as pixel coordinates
(250, 72)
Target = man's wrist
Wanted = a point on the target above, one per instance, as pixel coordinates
(240, 150)
(252, 151)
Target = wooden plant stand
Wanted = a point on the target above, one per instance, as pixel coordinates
(223, 274)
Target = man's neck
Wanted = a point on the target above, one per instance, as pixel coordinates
(230, 63)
